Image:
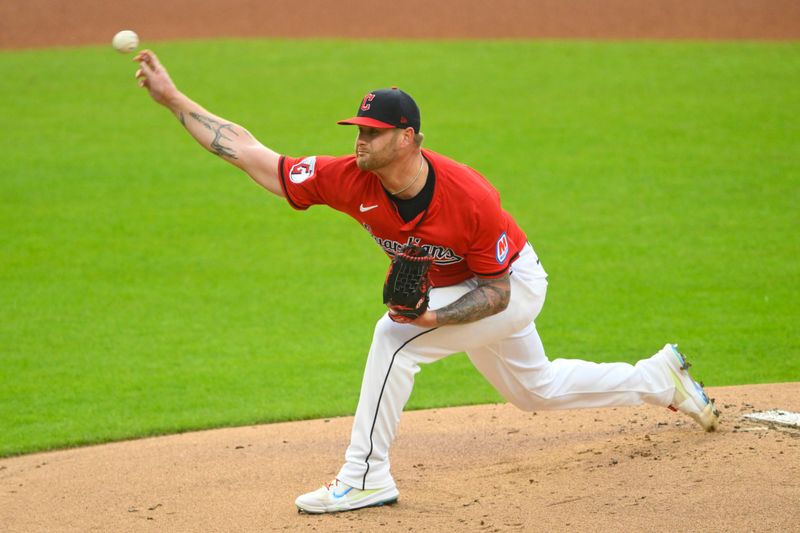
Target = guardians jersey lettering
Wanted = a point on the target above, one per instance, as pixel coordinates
(464, 226)
(441, 255)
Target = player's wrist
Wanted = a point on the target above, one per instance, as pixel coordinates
(175, 101)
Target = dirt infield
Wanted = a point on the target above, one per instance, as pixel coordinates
(487, 468)
(33, 23)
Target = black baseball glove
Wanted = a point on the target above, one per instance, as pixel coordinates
(407, 284)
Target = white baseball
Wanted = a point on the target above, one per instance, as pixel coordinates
(125, 41)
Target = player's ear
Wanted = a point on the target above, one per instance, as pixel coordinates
(408, 136)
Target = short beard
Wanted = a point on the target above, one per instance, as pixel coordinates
(371, 162)
(363, 165)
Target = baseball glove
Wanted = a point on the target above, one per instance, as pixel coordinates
(407, 284)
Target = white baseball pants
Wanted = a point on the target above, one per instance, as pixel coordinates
(506, 349)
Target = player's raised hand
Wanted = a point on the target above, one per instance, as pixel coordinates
(154, 77)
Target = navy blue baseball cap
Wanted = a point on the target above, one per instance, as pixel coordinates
(387, 108)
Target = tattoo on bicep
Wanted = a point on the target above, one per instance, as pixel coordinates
(218, 129)
(489, 298)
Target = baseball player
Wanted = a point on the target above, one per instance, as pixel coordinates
(488, 283)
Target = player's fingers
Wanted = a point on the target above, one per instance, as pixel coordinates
(141, 78)
(141, 56)
(147, 61)
(153, 59)
(146, 70)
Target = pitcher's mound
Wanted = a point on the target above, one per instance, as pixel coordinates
(486, 468)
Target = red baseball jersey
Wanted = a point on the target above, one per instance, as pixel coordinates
(464, 227)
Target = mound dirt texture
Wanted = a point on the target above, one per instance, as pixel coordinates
(32, 23)
(487, 468)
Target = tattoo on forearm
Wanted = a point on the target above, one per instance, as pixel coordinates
(182, 119)
(489, 298)
(217, 128)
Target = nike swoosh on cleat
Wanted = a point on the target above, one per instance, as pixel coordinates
(364, 209)
(342, 494)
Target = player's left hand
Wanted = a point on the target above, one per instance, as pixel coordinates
(425, 320)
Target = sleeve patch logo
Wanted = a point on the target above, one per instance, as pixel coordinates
(303, 170)
(501, 248)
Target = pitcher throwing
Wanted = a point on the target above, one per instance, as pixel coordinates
(487, 284)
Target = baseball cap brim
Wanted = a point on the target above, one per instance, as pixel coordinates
(365, 121)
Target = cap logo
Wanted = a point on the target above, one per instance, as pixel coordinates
(403, 120)
(365, 102)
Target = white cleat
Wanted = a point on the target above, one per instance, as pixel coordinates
(336, 496)
(690, 398)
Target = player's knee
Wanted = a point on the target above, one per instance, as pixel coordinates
(531, 402)
(523, 404)
(536, 394)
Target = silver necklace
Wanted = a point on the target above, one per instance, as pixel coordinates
(421, 161)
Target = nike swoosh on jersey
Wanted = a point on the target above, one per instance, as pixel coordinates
(364, 209)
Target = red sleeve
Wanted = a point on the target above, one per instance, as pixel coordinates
(490, 253)
(305, 179)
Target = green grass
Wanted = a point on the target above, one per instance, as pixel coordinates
(147, 287)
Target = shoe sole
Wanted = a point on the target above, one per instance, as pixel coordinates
(346, 506)
(708, 417)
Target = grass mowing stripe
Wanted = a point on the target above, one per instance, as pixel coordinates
(150, 288)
